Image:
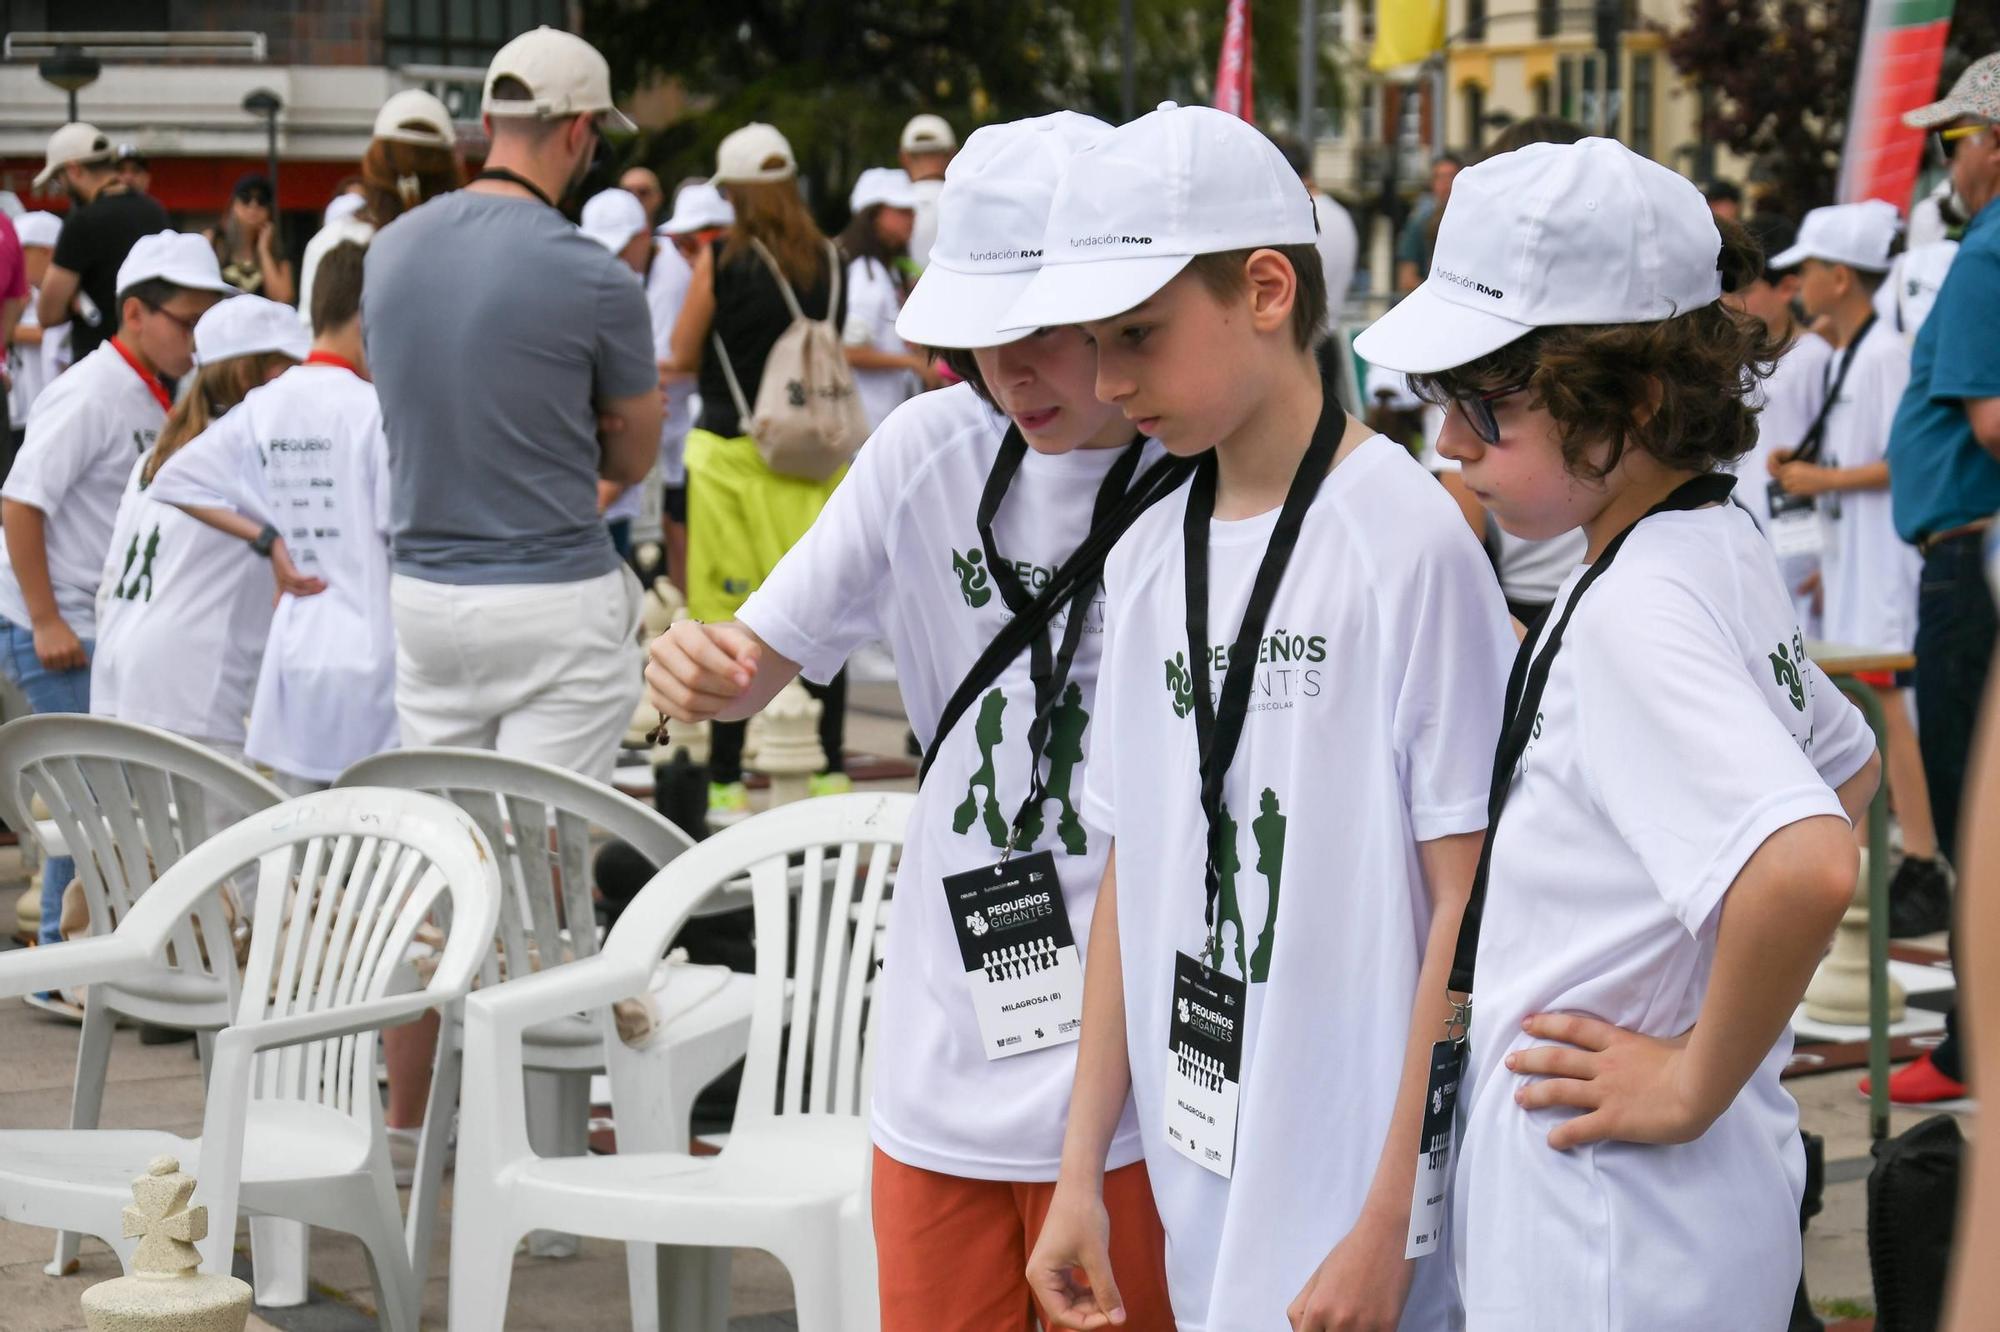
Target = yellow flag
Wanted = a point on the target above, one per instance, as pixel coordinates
(1406, 32)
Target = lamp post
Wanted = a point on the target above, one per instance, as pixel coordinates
(263, 102)
(70, 70)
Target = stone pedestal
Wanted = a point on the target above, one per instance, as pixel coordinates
(785, 737)
(28, 909)
(1839, 990)
(165, 1293)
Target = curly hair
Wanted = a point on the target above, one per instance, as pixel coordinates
(1678, 388)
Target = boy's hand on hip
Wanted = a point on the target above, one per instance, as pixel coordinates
(1360, 1287)
(1632, 1088)
(1076, 1238)
(695, 670)
(57, 647)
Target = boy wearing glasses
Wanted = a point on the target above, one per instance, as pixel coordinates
(61, 496)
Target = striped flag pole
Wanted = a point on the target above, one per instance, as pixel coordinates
(1232, 67)
(1901, 55)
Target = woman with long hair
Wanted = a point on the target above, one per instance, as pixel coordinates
(742, 516)
(876, 248)
(247, 245)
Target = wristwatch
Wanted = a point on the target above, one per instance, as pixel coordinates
(264, 540)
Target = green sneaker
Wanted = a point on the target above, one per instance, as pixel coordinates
(829, 783)
(728, 802)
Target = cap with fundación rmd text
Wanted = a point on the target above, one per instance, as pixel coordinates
(1549, 234)
(1134, 207)
(992, 215)
(564, 76)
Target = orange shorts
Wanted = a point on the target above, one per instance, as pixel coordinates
(953, 1253)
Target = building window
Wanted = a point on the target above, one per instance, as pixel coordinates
(1566, 88)
(1475, 115)
(1367, 20)
(1548, 17)
(1475, 20)
(1371, 113)
(461, 32)
(1542, 104)
(1641, 102)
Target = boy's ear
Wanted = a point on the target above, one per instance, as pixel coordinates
(1274, 287)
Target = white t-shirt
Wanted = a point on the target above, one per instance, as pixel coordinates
(1678, 731)
(667, 283)
(1337, 244)
(1786, 401)
(305, 453)
(923, 234)
(182, 613)
(30, 369)
(896, 556)
(1905, 298)
(873, 302)
(349, 228)
(1370, 730)
(1870, 573)
(87, 430)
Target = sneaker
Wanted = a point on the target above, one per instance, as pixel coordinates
(829, 783)
(1921, 1083)
(728, 802)
(1919, 898)
(58, 1003)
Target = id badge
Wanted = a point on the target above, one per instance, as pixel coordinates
(1796, 530)
(1204, 1064)
(1434, 1149)
(1021, 963)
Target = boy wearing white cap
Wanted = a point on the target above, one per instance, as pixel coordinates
(956, 518)
(1302, 665)
(1869, 574)
(926, 147)
(61, 495)
(182, 609)
(886, 369)
(1666, 855)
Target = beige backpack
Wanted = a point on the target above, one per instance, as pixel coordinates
(808, 422)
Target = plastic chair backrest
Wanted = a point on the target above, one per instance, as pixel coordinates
(130, 802)
(538, 819)
(807, 1033)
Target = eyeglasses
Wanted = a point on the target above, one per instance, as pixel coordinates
(187, 325)
(1478, 410)
(1945, 141)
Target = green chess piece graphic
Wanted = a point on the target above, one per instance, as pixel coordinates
(974, 580)
(1268, 831)
(1066, 727)
(130, 591)
(1228, 911)
(1786, 672)
(988, 732)
(118, 589)
(1180, 684)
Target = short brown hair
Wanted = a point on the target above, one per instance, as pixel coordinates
(336, 293)
(396, 177)
(1222, 274)
(1598, 380)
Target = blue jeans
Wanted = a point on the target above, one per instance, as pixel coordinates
(47, 691)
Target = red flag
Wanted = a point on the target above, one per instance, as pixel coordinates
(1232, 68)
(1901, 53)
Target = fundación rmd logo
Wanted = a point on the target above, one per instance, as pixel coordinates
(1470, 284)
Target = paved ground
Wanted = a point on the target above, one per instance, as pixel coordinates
(159, 1087)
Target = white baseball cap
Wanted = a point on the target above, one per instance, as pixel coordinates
(179, 257)
(247, 325)
(697, 208)
(1581, 233)
(75, 142)
(613, 217)
(38, 228)
(341, 206)
(1135, 206)
(1860, 235)
(927, 133)
(564, 74)
(415, 116)
(992, 214)
(754, 155)
(888, 186)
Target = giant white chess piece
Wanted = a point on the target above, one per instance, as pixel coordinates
(165, 1293)
(1839, 990)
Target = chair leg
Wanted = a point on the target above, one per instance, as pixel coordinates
(482, 1267)
(420, 1229)
(816, 1285)
(280, 1253)
(398, 1298)
(678, 1288)
(558, 1125)
(204, 1049)
(93, 1058)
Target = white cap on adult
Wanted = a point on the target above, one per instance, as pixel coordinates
(564, 75)
(612, 218)
(757, 154)
(991, 216)
(247, 325)
(75, 142)
(416, 117)
(927, 133)
(1126, 218)
(1860, 235)
(698, 207)
(38, 228)
(1581, 233)
(887, 186)
(179, 257)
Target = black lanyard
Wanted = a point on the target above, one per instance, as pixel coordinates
(1049, 668)
(515, 178)
(1218, 728)
(1809, 447)
(1525, 685)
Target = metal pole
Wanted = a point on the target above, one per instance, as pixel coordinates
(1309, 73)
(72, 107)
(271, 157)
(1609, 20)
(1128, 77)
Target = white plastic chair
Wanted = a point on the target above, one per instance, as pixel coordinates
(292, 1126)
(792, 1177)
(539, 819)
(128, 802)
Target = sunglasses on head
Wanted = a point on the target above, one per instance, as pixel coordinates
(1477, 409)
